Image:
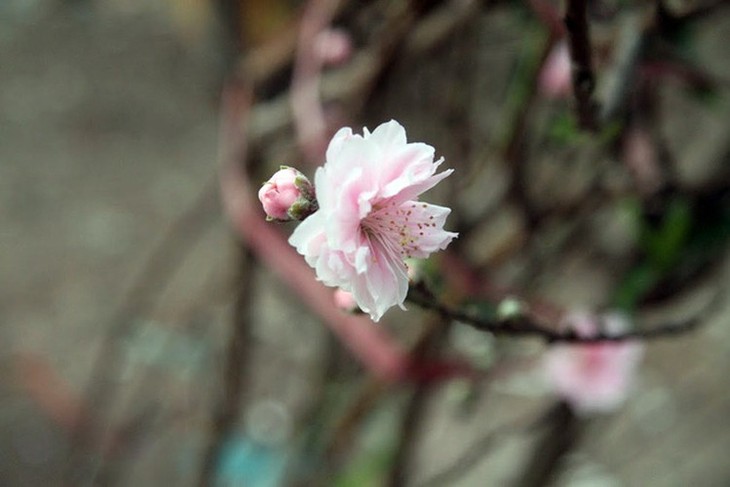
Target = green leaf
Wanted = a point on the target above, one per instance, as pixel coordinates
(564, 129)
(664, 245)
(635, 285)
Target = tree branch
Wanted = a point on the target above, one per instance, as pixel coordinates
(234, 381)
(524, 326)
(579, 42)
(428, 348)
(479, 449)
(548, 454)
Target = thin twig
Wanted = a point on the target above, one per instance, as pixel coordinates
(579, 42)
(428, 348)
(632, 41)
(564, 433)
(523, 326)
(480, 448)
(344, 431)
(237, 358)
(408, 436)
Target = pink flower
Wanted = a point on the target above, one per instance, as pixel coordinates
(288, 195)
(594, 377)
(369, 217)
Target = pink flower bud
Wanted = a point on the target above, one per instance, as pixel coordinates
(288, 195)
(333, 47)
(345, 301)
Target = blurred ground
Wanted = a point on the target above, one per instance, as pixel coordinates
(108, 130)
(108, 133)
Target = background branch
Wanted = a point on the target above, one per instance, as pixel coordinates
(579, 42)
(563, 433)
(237, 357)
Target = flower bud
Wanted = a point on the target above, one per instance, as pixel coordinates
(287, 196)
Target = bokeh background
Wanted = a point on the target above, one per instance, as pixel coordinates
(124, 283)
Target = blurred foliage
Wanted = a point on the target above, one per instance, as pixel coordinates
(262, 20)
(674, 247)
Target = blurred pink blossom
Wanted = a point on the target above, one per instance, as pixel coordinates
(369, 219)
(555, 78)
(594, 377)
(288, 195)
(333, 47)
(640, 156)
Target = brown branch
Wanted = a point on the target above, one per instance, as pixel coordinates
(481, 447)
(345, 429)
(408, 436)
(426, 349)
(524, 326)
(563, 435)
(237, 358)
(584, 82)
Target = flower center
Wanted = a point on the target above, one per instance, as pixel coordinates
(393, 227)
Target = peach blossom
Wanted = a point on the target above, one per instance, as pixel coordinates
(370, 218)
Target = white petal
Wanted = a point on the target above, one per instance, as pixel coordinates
(387, 281)
(388, 135)
(424, 227)
(413, 190)
(309, 235)
(322, 189)
(337, 142)
(411, 164)
(362, 259)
